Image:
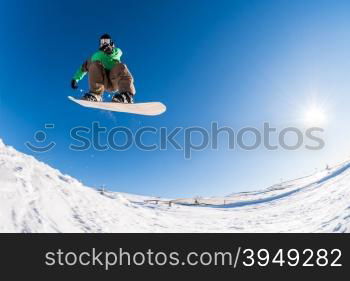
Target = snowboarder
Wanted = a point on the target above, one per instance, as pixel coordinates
(106, 72)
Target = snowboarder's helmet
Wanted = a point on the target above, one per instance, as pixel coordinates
(106, 39)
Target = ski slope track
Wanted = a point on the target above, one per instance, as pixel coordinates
(37, 198)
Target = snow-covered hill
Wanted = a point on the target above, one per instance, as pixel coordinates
(37, 198)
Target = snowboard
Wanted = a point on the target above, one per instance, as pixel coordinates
(145, 108)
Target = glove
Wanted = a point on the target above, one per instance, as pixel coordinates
(74, 84)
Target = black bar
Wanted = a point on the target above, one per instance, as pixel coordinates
(26, 253)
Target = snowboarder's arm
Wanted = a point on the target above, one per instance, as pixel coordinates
(117, 55)
(81, 72)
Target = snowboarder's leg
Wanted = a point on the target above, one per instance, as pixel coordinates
(123, 82)
(121, 79)
(96, 77)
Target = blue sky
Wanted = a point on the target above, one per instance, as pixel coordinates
(239, 63)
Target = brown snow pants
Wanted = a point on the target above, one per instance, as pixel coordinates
(118, 78)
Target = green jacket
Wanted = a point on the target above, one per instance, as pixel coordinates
(108, 61)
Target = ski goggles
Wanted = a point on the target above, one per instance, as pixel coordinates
(106, 41)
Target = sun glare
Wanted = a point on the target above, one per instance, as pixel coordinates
(315, 115)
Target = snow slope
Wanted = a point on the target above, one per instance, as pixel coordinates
(37, 198)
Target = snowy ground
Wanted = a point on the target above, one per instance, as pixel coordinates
(37, 198)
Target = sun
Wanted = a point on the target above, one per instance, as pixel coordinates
(315, 115)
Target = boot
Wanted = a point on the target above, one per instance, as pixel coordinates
(90, 96)
(124, 97)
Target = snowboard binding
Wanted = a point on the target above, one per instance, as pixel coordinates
(124, 97)
(92, 97)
